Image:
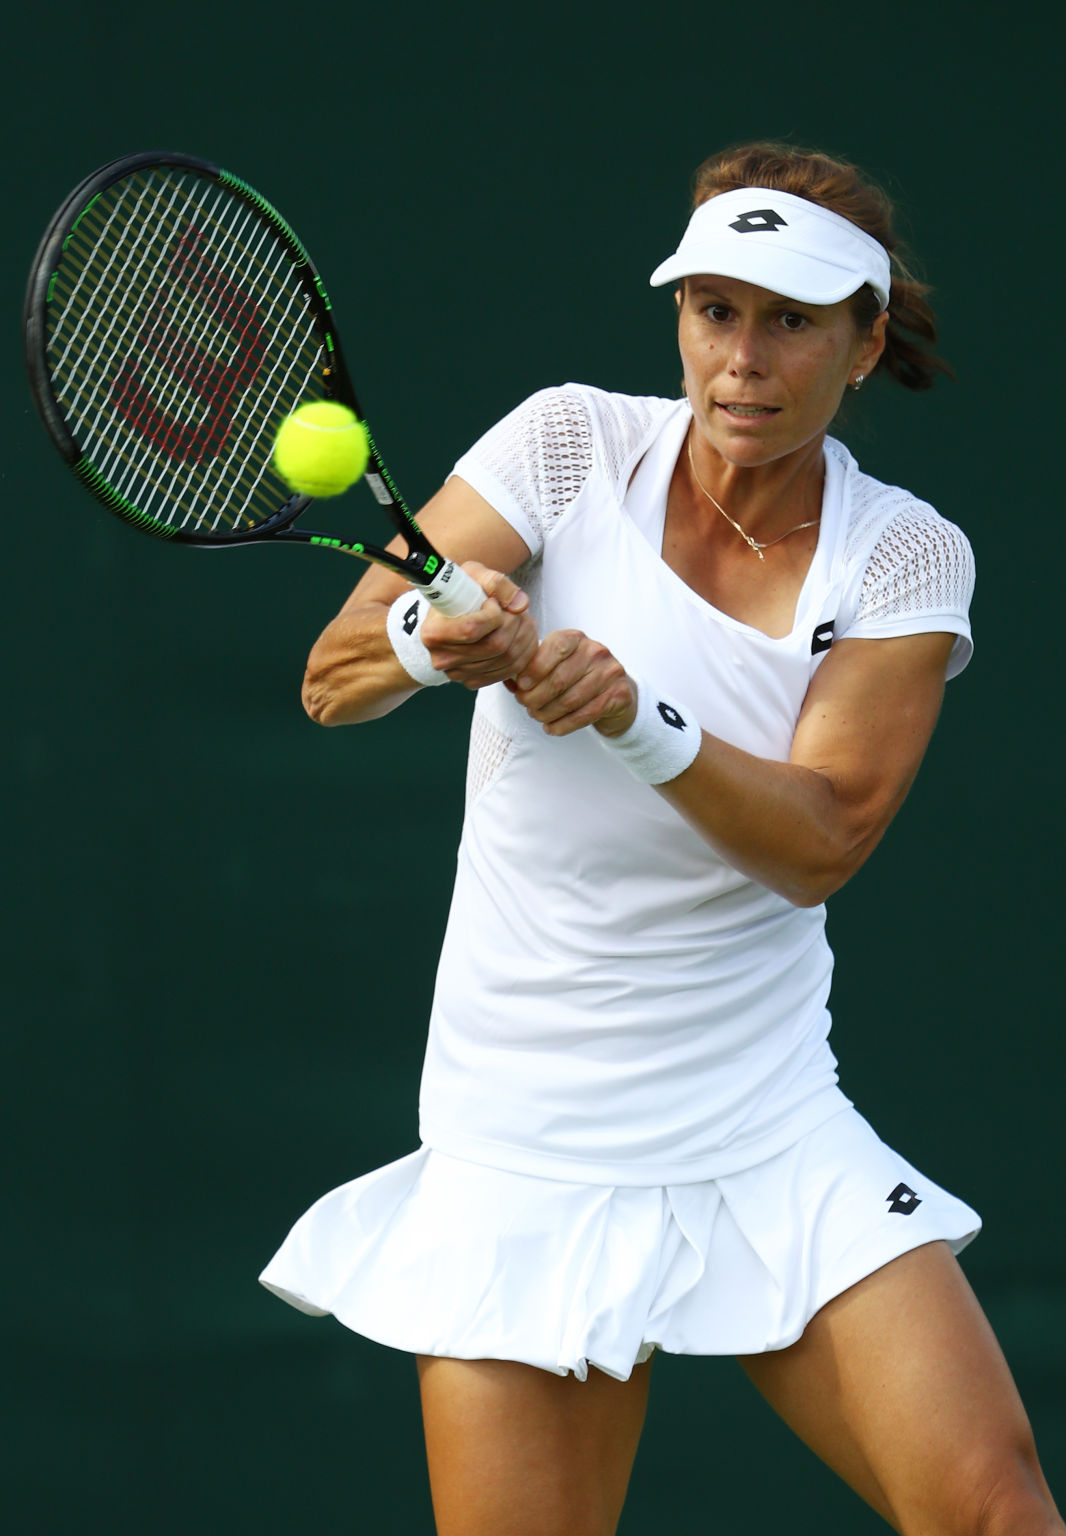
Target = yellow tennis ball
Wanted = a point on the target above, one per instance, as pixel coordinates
(321, 449)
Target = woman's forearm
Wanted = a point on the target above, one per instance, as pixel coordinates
(784, 825)
(801, 827)
(353, 673)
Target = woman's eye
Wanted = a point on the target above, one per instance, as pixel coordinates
(718, 312)
(793, 321)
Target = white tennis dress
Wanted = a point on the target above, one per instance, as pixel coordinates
(632, 1131)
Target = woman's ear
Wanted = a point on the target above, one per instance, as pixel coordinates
(875, 344)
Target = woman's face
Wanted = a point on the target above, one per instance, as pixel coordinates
(765, 374)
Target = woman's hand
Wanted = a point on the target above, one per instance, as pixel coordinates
(572, 681)
(353, 673)
(489, 646)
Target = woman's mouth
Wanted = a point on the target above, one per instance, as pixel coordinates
(746, 412)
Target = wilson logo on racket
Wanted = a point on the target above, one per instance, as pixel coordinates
(168, 357)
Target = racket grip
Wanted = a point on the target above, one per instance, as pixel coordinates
(452, 592)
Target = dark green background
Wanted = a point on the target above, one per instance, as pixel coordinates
(213, 1015)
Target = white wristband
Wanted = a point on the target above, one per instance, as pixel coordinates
(663, 740)
(404, 629)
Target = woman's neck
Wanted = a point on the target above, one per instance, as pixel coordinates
(764, 499)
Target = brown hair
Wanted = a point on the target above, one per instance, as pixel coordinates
(837, 185)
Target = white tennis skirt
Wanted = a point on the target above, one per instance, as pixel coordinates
(443, 1257)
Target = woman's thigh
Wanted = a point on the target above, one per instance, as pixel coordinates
(900, 1386)
(517, 1451)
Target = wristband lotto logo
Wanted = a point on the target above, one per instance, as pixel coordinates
(670, 716)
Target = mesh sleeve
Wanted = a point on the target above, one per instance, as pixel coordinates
(531, 465)
(919, 577)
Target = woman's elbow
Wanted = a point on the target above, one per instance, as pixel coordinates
(349, 692)
(808, 887)
(823, 877)
(318, 701)
(328, 702)
(329, 689)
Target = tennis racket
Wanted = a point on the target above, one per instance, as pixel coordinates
(173, 319)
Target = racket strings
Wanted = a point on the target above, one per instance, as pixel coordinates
(184, 360)
(179, 334)
(170, 341)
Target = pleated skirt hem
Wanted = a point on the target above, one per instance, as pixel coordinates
(438, 1256)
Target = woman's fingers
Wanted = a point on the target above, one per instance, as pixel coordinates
(571, 682)
(490, 645)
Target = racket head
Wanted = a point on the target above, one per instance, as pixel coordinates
(173, 318)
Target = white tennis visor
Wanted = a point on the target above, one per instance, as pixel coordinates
(781, 242)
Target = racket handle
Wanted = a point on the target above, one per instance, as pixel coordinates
(452, 592)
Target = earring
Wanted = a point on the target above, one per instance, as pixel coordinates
(858, 382)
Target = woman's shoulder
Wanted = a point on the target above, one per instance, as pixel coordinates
(602, 413)
(906, 568)
(551, 441)
(889, 519)
(534, 463)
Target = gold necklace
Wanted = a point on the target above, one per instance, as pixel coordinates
(754, 543)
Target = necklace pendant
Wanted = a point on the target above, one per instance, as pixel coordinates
(753, 543)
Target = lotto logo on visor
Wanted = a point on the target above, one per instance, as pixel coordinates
(762, 218)
(777, 241)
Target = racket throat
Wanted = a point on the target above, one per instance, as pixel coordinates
(420, 568)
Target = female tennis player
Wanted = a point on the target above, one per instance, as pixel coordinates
(710, 659)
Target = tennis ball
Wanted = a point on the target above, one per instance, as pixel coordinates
(321, 449)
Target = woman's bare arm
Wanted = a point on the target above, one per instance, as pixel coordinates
(353, 673)
(802, 827)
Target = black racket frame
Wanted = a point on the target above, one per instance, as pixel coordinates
(422, 560)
